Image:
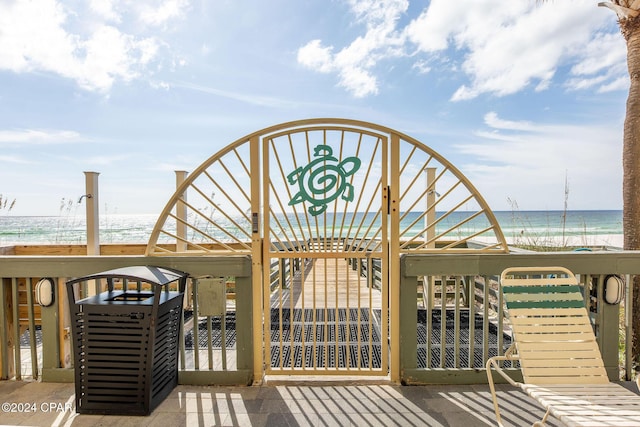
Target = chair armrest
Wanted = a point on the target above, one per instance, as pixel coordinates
(509, 356)
(493, 362)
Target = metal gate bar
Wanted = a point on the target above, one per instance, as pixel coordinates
(336, 328)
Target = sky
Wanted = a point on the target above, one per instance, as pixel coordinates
(521, 96)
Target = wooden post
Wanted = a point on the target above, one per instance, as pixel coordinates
(608, 335)
(93, 215)
(7, 360)
(407, 320)
(181, 230)
(64, 324)
(260, 325)
(391, 289)
(245, 325)
(52, 333)
(181, 213)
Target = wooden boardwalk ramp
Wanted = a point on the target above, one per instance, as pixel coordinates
(326, 318)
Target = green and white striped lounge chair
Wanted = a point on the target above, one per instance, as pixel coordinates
(556, 348)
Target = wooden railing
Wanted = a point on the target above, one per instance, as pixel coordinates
(46, 352)
(446, 353)
(440, 296)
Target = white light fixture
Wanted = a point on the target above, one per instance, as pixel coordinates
(613, 289)
(45, 292)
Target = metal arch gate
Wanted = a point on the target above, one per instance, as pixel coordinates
(325, 252)
(325, 208)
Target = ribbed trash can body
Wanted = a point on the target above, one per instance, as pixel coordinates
(126, 339)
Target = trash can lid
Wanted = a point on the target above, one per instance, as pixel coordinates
(148, 273)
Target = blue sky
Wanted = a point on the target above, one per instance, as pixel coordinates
(519, 95)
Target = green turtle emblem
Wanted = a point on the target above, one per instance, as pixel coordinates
(323, 180)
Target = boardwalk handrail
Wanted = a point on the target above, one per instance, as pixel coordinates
(52, 361)
(591, 267)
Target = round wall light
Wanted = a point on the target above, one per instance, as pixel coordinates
(613, 289)
(45, 292)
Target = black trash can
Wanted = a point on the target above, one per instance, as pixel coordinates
(126, 339)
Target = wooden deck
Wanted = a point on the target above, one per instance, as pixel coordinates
(327, 283)
(326, 319)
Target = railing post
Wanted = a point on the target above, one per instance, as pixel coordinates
(408, 323)
(93, 215)
(259, 267)
(7, 362)
(283, 272)
(244, 324)
(51, 335)
(608, 335)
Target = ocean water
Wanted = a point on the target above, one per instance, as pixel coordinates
(71, 229)
(574, 228)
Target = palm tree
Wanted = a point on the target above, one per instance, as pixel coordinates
(628, 11)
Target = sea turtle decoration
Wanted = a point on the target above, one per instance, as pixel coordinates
(323, 180)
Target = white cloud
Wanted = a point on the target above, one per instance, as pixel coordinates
(358, 81)
(621, 83)
(160, 12)
(106, 9)
(32, 36)
(314, 55)
(38, 136)
(525, 48)
(601, 63)
(603, 52)
(160, 85)
(378, 12)
(96, 52)
(501, 47)
(422, 67)
(492, 120)
(111, 55)
(462, 23)
(354, 63)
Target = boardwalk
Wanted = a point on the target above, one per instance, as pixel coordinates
(327, 283)
(327, 318)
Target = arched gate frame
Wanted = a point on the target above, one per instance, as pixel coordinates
(325, 208)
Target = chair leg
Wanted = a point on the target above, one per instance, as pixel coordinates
(543, 421)
(492, 388)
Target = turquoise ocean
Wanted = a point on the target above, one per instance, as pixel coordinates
(575, 228)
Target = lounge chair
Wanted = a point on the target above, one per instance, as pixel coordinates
(556, 349)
